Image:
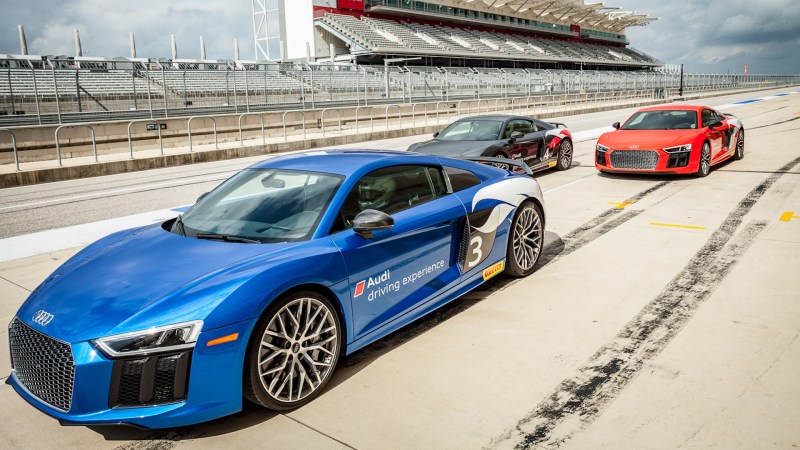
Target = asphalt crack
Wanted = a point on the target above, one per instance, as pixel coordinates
(583, 397)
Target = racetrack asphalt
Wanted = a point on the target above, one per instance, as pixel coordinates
(663, 314)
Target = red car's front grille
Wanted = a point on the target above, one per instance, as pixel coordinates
(634, 159)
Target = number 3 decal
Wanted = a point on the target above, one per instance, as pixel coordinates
(475, 246)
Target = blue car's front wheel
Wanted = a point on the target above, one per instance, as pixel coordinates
(293, 352)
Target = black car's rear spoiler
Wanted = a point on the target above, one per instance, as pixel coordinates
(499, 161)
(558, 124)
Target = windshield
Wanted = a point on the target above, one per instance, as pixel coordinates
(262, 205)
(472, 130)
(662, 120)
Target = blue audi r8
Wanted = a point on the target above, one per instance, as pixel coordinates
(257, 290)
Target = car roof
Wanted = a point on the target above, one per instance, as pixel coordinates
(342, 162)
(674, 107)
(494, 117)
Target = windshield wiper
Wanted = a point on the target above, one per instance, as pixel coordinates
(227, 238)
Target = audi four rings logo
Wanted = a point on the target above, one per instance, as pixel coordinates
(42, 317)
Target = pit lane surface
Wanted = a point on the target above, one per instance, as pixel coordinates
(663, 314)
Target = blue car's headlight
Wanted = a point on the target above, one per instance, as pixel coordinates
(152, 340)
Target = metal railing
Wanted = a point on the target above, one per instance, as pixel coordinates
(68, 92)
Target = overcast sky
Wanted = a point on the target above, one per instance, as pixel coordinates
(705, 35)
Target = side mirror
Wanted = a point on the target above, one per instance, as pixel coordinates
(715, 124)
(202, 196)
(435, 135)
(371, 220)
(273, 183)
(516, 135)
(616, 125)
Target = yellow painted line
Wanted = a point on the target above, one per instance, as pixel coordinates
(675, 225)
(623, 204)
(788, 215)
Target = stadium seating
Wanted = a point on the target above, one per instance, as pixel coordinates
(387, 36)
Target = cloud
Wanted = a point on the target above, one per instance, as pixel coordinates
(104, 27)
(704, 35)
(720, 35)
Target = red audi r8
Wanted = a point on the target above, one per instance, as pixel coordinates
(679, 139)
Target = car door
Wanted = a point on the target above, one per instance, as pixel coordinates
(727, 133)
(716, 137)
(528, 146)
(399, 269)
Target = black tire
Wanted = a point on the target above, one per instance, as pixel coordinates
(739, 152)
(565, 151)
(308, 356)
(525, 240)
(704, 167)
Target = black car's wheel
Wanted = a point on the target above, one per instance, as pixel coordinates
(705, 161)
(293, 352)
(564, 155)
(739, 146)
(525, 240)
(501, 165)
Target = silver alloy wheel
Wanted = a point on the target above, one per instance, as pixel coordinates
(566, 154)
(705, 159)
(527, 238)
(297, 350)
(740, 145)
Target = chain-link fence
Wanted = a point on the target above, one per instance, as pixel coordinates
(55, 90)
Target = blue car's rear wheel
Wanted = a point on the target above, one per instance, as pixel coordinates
(293, 352)
(525, 240)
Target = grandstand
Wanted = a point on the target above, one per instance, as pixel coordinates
(552, 34)
(329, 53)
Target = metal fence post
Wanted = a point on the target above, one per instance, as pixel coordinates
(58, 102)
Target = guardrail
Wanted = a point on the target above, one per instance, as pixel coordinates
(407, 115)
(58, 144)
(189, 126)
(13, 146)
(157, 122)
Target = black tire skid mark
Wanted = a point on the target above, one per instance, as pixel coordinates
(612, 367)
(593, 229)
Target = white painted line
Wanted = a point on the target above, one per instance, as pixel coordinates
(43, 242)
(117, 191)
(586, 135)
(579, 180)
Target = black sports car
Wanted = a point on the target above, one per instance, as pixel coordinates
(541, 145)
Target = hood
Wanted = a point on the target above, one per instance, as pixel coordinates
(646, 139)
(451, 148)
(104, 287)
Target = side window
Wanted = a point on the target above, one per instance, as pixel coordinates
(523, 126)
(461, 179)
(708, 116)
(391, 190)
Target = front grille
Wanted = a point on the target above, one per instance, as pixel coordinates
(634, 159)
(43, 365)
(149, 380)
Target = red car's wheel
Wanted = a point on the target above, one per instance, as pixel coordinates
(739, 146)
(705, 161)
